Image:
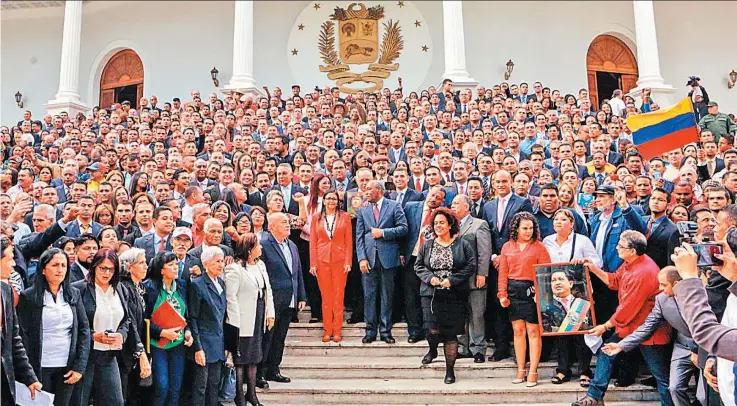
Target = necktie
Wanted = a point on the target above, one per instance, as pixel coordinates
(461, 189)
(181, 267)
(418, 185)
(162, 244)
(307, 189)
(400, 196)
(649, 228)
(565, 303)
(485, 181)
(710, 166)
(425, 229)
(125, 232)
(600, 179)
(340, 187)
(475, 209)
(376, 213)
(68, 193)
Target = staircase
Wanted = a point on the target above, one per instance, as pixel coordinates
(352, 373)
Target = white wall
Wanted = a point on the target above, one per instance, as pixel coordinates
(180, 42)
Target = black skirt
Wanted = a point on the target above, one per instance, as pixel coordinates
(522, 301)
(250, 348)
(445, 311)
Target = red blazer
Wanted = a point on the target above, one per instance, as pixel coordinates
(325, 251)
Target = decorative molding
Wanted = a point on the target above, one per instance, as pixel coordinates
(610, 54)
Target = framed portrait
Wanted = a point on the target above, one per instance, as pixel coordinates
(565, 304)
(355, 201)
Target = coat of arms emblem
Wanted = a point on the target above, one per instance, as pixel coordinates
(358, 43)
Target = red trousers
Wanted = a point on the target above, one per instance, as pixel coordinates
(331, 279)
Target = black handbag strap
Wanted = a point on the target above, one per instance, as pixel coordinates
(573, 248)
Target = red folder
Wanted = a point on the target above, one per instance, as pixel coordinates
(167, 317)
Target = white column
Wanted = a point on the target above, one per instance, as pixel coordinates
(67, 98)
(648, 61)
(455, 44)
(242, 80)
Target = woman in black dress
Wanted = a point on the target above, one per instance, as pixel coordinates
(444, 264)
(250, 309)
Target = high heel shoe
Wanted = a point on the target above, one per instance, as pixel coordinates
(254, 402)
(518, 381)
(326, 337)
(531, 383)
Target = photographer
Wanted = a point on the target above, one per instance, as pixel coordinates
(717, 339)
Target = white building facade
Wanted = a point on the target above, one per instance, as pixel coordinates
(70, 55)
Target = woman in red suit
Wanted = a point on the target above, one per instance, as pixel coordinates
(331, 253)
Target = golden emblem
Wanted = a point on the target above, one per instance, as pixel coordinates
(358, 43)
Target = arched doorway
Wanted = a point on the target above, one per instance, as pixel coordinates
(122, 79)
(610, 65)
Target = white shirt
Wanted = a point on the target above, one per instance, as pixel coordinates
(108, 315)
(187, 213)
(56, 320)
(562, 253)
(601, 234)
(217, 284)
(617, 106)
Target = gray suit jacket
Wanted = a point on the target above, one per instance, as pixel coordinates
(477, 233)
(665, 310)
(708, 333)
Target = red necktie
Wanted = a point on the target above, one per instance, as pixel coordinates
(162, 244)
(461, 189)
(376, 213)
(418, 185)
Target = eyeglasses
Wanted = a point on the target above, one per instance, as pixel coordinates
(620, 246)
(105, 269)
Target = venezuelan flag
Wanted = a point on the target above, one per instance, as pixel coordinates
(664, 130)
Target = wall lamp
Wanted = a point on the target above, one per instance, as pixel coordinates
(19, 99)
(214, 75)
(510, 68)
(732, 79)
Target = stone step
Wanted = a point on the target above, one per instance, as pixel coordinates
(352, 347)
(399, 368)
(230, 402)
(304, 329)
(434, 392)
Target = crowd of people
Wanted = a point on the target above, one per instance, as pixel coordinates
(152, 251)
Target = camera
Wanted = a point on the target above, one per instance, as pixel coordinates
(706, 249)
(693, 81)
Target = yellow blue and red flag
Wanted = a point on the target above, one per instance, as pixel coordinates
(664, 130)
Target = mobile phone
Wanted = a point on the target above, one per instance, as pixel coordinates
(706, 253)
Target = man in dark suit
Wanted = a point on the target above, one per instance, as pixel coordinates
(206, 308)
(47, 230)
(287, 188)
(200, 175)
(160, 239)
(213, 237)
(84, 224)
(709, 162)
(662, 234)
(498, 213)
(258, 198)
(475, 192)
(379, 228)
(85, 247)
(418, 229)
(124, 218)
(404, 194)
(15, 361)
(226, 176)
(285, 276)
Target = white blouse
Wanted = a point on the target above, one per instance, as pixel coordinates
(108, 315)
(57, 321)
(562, 253)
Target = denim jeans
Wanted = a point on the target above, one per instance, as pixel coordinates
(168, 369)
(657, 359)
(378, 282)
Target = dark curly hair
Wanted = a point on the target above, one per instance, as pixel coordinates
(517, 220)
(455, 225)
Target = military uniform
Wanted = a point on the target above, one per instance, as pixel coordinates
(719, 124)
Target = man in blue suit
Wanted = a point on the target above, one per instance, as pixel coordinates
(207, 313)
(380, 225)
(498, 213)
(404, 194)
(285, 276)
(615, 216)
(160, 239)
(84, 223)
(419, 228)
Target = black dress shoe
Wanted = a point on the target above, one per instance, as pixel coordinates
(368, 339)
(414, 339)
(450, 378)
(429, 357)
(622, 383)
(479, 358)
(388, 339)
(261, 383)
(499, 355)
(278, 377)
(651, 382)
(354, 320)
